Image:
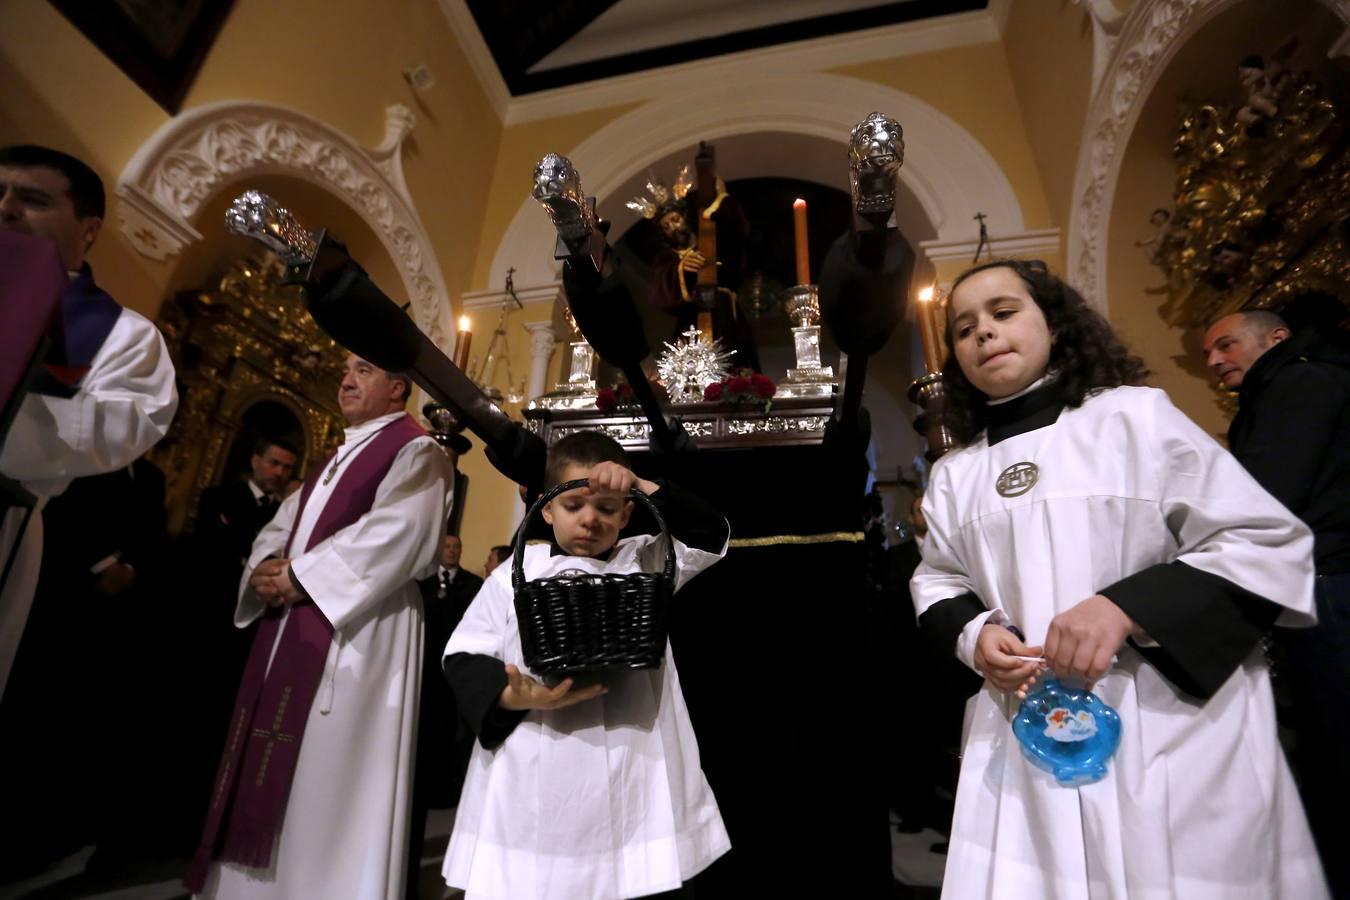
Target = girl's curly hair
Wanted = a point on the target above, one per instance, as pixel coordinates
(1085, 352)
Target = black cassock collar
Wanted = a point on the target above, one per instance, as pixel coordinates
(1034, 409)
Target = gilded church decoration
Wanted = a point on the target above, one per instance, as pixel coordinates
(246, 341)
(1262, 197)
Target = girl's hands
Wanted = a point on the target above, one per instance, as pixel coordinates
(996, 650)
(1082, 640)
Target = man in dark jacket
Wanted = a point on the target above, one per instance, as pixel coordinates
(1292, 432)
(230, 516)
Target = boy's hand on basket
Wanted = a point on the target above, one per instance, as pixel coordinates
(523, 692)
(612, 478)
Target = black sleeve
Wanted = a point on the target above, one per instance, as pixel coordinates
(692, 521)
(1205, 625)
(1293, 428)
(942, 623)
(477, 682)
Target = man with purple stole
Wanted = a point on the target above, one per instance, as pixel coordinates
(314, 789)
(105, 392)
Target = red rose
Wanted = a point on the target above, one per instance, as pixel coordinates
(606, 399)
(737, 384)
(713, 392)
(625, 391)
(763, 386)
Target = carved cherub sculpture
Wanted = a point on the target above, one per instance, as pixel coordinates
(1161, 219)
(1260, 95)
(1263, 78)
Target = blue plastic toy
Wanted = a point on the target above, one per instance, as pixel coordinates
(1068, 732)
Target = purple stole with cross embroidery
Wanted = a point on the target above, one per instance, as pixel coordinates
(248, 799)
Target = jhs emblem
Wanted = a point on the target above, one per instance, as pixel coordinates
(1017, 479)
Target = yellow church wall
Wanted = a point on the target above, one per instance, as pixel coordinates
(342, 69)
(59, 90)
(1049, 50)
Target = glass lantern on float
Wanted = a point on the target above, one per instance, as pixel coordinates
(498, 354)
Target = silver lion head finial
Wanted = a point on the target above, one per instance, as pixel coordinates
(876, 151)
(255, 215)
(557, 186)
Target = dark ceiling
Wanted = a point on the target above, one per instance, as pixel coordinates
(521, 33)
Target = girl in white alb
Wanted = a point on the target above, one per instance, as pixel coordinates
(1089, 515)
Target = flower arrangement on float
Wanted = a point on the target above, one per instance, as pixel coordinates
(744, 386)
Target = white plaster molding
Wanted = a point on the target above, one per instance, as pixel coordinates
(998, 11)
(479, 57)
(1151, 35)
(1107, 21)
(782, 60)
(1041, 240)
(153, 230)
(1341, 47)
(528, 296)
(203, 150)
(950, 173)
(399, 121)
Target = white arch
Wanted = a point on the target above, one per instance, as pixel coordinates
(1152, 34)
(948, 171)
(194, 154)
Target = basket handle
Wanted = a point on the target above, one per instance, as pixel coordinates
(518, 557)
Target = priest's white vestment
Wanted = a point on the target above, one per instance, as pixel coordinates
(345, 829)
(123, 407)
(1198, 802)
(604, 799)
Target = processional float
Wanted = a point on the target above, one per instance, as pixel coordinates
(787, 603)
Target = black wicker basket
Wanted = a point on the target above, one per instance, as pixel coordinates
(583, 626)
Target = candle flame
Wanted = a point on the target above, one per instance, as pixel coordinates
(799, 203)
(463, 323)
(926, 294)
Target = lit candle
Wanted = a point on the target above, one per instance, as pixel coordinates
(928, 331)
(803, 256)
(462, 343)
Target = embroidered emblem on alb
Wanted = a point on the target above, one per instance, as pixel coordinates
(1017, 479)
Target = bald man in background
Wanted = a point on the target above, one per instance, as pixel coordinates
(1292, 432)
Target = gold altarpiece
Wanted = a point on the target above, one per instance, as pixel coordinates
(1262, 201)
(247, 341)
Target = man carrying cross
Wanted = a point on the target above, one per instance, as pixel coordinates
(313, 793)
